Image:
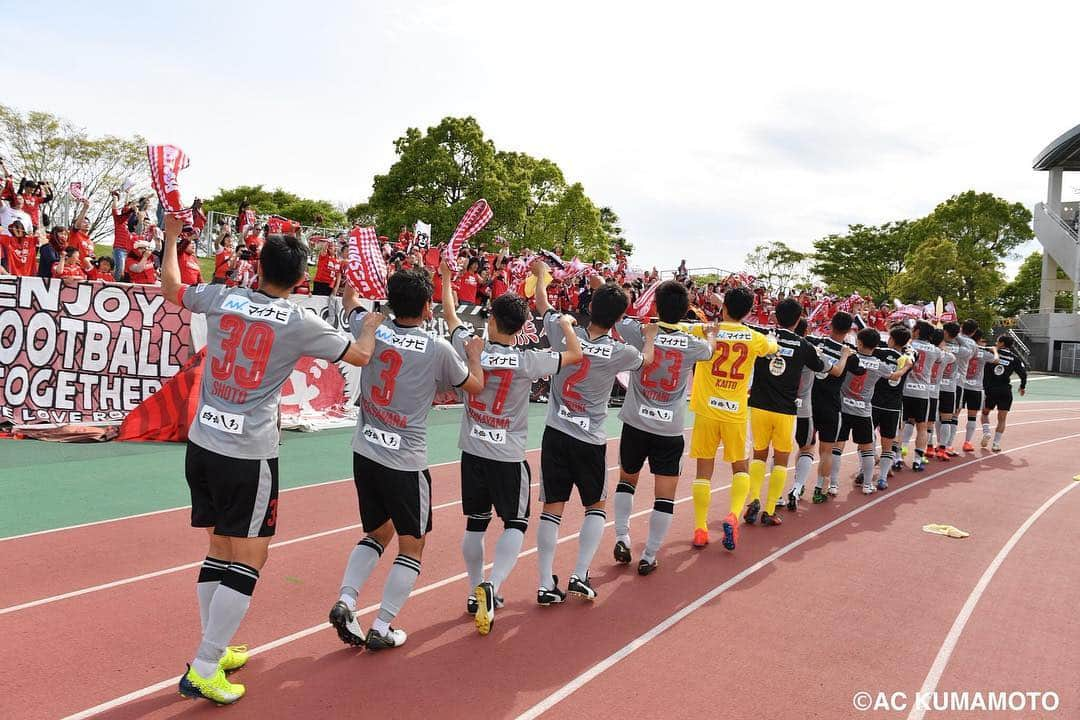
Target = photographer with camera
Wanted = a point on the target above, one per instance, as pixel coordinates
(224, 261)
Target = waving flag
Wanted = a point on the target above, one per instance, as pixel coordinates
(76, 190)
(644, 305)
(366, 268)
(166, 162)
(422, 235)
(472, 222)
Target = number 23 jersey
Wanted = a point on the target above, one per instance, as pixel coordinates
(721, 384)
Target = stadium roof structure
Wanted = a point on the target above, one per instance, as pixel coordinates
(1064, 153)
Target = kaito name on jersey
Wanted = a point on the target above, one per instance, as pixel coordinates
(243, 306)
(413, 343)
(498, 360)
(603, 351)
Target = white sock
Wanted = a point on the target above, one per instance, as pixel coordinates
(659, 522)
(970, 430)
(624, 504)
(997, 438)
(506, 552)
(227, 610)
(986, 428)
(867, 461)
(547, 538)
(592, 529)
(472, 550)
(834, 471)
(909, 430)
(362, 561)
(803, 466)
(209, 579)
(886, 465)
(399, 584)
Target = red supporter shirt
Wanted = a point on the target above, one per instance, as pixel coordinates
(221, 263)
(302, 288)
(198, 220)
(190, 272)
(81, 242)
(466, 287)
(71, 270)
(20, 254)
(499, 285)
(327, 269)
(98, 274)
(147, 276)
(121, 236)
(31, 205)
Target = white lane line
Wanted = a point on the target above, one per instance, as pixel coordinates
(949, 644)
(578, 682)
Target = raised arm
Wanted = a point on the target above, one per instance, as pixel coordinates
(474, 347)
(170, 264)
(84, 205)
(363, 347)
(572, 354)
(540, 270)
(838, 369)
(449, 306)
(648, 351)
(350, 300)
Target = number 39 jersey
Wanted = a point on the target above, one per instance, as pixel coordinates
(252, 344)
(656, 398)
(721, 383)
(496, 421)
(397, 386)
(580, 393)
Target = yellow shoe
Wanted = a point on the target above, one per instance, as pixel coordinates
(216, 688)
(235, 657)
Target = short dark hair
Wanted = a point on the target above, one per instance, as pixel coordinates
(609, 303)
(408, 292)
(788, 312)
(936, 336)
(923, 328)
(510, 312)
(842, 321)
(738, 302)
(869, 337)
(802, 326)
(977, 335)
(672, 301)
(952, 329)
(970, 326)
(900, 335)
(283, 260)
(1006, 340)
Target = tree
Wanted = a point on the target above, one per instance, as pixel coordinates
(277, 202)
(609, 221)
(42, 146)
(864, 259)
(778, 266)
(1023, 292)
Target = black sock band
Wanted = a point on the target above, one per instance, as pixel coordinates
(373, 544)
(212, 569)
(410, 563)
(664, 505)
(625, 487)
(241, 578)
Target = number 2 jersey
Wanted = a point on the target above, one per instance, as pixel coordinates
(656, 396)
(579, 396)
(252, 344)
(722, 382)
(496, 421)
(397, 387)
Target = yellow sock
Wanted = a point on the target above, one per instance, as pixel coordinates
(702, 494)
(740, 486)
(777, 480)
(757, 479)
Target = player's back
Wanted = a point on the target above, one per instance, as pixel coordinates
(917, 381)
(253, 341)
(722, 383)
(778, 378)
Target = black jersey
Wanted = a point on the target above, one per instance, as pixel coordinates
(776, 377)
(826, 392)
(888, 394)
(999, 375)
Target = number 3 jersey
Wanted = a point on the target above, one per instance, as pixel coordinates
(496, 421)
(252, 344)
(721, 382)
(656, 397)
(579, 396)
(397, 387)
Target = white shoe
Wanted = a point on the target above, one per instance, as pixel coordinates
(868, 488)
(996, 447)
(985, 441)
(834, 487)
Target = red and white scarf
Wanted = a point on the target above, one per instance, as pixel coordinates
(166, 162)
(644, 303)
(472, 222)
(366, 268)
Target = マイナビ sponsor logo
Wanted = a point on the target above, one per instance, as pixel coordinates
(243, 306)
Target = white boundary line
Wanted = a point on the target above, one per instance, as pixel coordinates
(949, 644)
(578, 682)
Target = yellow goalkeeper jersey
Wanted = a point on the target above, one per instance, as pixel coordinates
(722, 383)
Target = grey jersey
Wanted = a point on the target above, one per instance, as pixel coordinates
(397, 387)
(656, 398)
(980, 356)
(496, 421)
(252, 344)
(951, 369)
(579, 393)
(803, 408)
(917, 381)
(936, 371)
(857, 390)
(965, 349)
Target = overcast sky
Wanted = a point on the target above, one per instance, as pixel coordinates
(707, 127)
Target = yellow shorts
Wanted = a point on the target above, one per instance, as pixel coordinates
(772, 428)
(709, 433)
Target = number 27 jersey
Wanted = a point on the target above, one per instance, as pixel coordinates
(722, 383)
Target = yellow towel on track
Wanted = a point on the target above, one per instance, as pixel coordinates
(946, 530)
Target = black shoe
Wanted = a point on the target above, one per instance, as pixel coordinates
(644, 567)
(771, 520)
(793, 500)
(580, 587)
(392, 639)
(858, 480)
(344, 621)
(752, 510)
(820, 496)
(471, 605)
(486, 602)
(554, 596)
(622, 553)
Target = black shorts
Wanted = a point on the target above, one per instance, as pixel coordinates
(487, 483)
(946, 402)
(566, 462)
(932, 410)
(663, 452)
(827, 423)
(238, 498)
(999, 399)
(970, 399)
(916, 410)
(804, 432)
(858, 428)
(886, 421)
(401, 496)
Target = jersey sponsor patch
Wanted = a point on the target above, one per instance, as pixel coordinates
(777, 365)
(999, 369)
(672, 341)
(786, 351)
(200, 288)
(243, 306)
(219, 420)
(413, 343)
(745, 335)
(724, 404)
(656, 413)
(499, 360)
(581, 422)
(869, 363)
(387, 439)
(915, 386)
(497, 437)
(592, 350)
(852, 402)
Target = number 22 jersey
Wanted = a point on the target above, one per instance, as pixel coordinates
(721, 383)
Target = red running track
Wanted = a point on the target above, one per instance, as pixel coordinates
(865, 605)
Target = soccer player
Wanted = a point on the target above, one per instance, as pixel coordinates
(393, 486)
(947, 393)
(719, 401)
(774, 404)
(494, 430)
(944, 359)
(254, 339)
(917, 391)
(574, 447)
(887, 401)
(856, 393)
(978, 356)
(825, 399)
(653, 416)
(998, 388)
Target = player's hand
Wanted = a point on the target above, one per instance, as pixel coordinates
(538, 267)
(1023, 392)
(444, 269)
(474, 346)
(567, 321)
(650, 331)
(173, 225)
(845, 353)
(373, 319)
